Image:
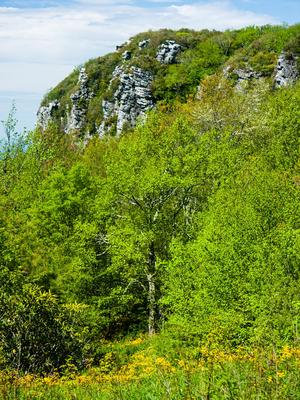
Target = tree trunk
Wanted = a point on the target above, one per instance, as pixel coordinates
(151, 289)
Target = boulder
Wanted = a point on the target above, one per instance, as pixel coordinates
(126, 55)
(167, 52)
(143, 44)
(286, 71)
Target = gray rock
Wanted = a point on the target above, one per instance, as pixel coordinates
(80, 99)
(167, 52)
(245, 75)
(143, 44)
(116, 72)
(45, 114)
(121, 46)
(108, 108)
(199, 92)
(131, 100)
(226, 71)
(126, 55)
(286, 71)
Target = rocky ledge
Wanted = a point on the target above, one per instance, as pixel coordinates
(244, 75)
(131, 100)
(167, 52)
(80, 99)
(128, 96)
(286, 72)
(45, 114)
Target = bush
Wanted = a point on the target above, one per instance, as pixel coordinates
(37, 334)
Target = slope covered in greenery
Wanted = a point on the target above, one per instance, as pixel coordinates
(185, 228)
(202, 54)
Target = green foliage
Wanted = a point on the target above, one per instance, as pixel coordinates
(178, 81)
(188, 224)
(36, 332)
(239, 278)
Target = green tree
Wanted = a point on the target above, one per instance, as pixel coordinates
(156, 180)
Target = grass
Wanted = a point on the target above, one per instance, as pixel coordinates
(211, 375)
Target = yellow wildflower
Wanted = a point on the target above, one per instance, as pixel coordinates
(136, 342)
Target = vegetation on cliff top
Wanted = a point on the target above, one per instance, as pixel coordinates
(203, 53)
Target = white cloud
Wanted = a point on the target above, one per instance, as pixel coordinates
(219, 15)
(39, 46)
(26, 77)
(71, 35)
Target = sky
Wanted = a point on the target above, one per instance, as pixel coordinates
(42, 41)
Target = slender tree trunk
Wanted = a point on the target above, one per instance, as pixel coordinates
(151, 289)
(152, 304)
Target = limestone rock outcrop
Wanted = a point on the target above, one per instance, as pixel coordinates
(286, 71)
(245, 75)
(167, 52)
(143, 44)
(80, 99)
(131, 100)
(45, 114)
(126, 55)
(116, 90)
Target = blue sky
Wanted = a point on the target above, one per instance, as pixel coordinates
(43, 40)
(286, 9)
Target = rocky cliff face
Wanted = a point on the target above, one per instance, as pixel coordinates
(77, 116)
(133, 97)
(286, 72)
(46, 113)
(113, 92)
(131, 100)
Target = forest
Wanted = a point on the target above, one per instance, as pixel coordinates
(164, 262)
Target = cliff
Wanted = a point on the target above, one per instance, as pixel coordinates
(110, 94)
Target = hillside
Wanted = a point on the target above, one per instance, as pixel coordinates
(109, 94)
(150, 225)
